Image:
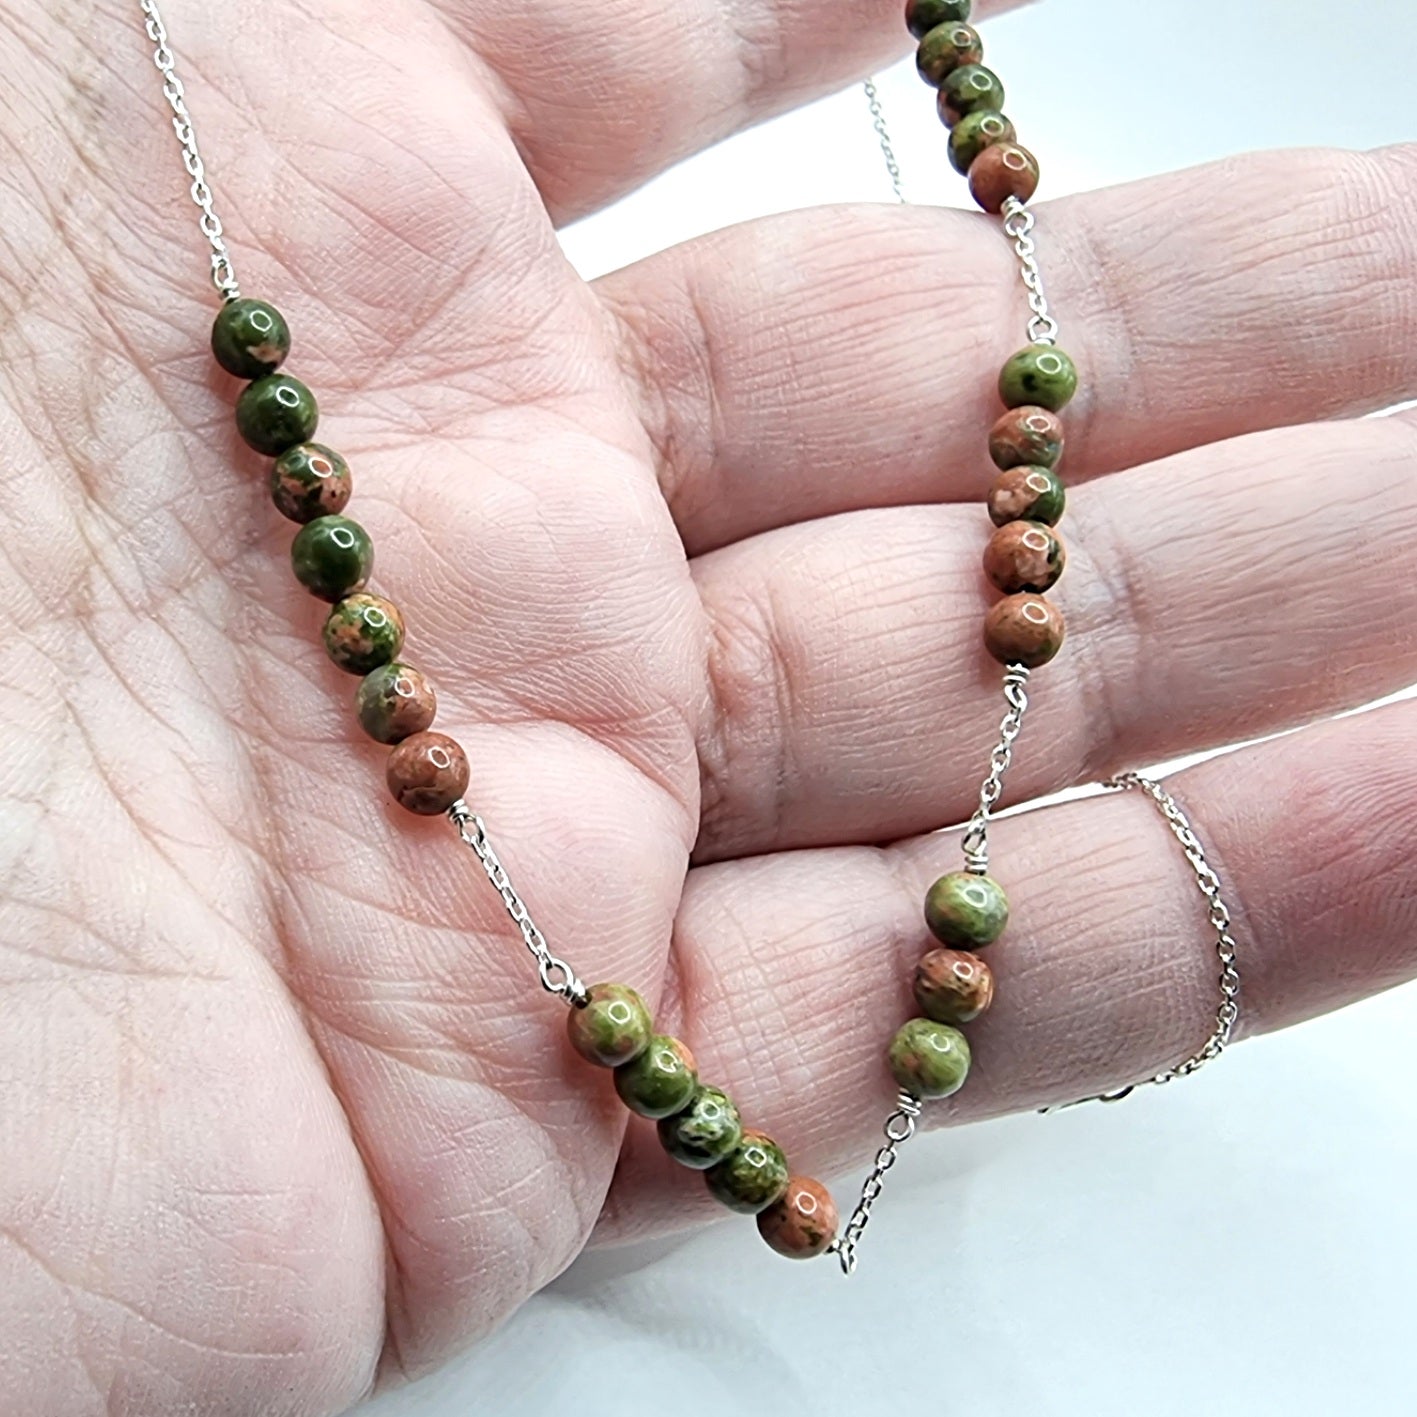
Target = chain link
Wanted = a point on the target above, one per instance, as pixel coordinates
(976, 836)
(899, 1128)
(883, 136)
(1019, 224)
(223, 270)
(557, 977)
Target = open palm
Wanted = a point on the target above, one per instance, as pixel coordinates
(692, 558)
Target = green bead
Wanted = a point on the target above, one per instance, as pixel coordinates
(752, 1177)
(944, 49)
(966, 911)
(331, 557)
(250, 338)
(929, 1059)
(613, 1028)
(1041, 375)
(969, 89)
(661, 1081)
(394, 702)
(705, 1132)
(975, 132)
(363, 632)
(276, 413)
(309, 481)
(921, 16)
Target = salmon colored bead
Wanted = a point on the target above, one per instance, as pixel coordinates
(1027, 437)
(1024, 629)
(953, 986)
(1000, 172)
(1027, 494)
(428, 773)
(803, 1223)
(1024, 556)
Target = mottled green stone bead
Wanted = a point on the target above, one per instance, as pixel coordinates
(929, 1059)
(970, 89)
(276, 413)
(394, 702)
(1027, 494)
(705, 1132)
(250, 338)
(362, 632)
(661, 1081)
(309, 481)
(752, 1177)
(975, 132)
(921, 16)
(613, 1028)
(1040, 374)
(331, 557)
(944, 49)
(966, 911)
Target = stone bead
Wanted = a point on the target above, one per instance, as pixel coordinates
(975, 132)
(1039, 375)
(944, 49)
(1024, 556)
(921, 16)
(1027, 494)
(705, 1132)
(1000, 172)
(952, 986)
(331, 557)
(969, 89)
(394, 703)
(309, 481)
(1026, 437)
(613, 1028)
(752, 1177)
(362, 632)
(929, 1059)
(427, 773)
(966, 911)
(801, 1224)
(250, 338)
(276, 413)
(661, 1081)
(1024, 629)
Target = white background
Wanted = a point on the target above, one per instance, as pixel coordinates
(1241, 1245)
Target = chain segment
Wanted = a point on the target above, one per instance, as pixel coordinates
(899, 1128)
(883, 136)
(976, 836)
(1019, 224)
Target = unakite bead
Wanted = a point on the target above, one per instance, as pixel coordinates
(394, 702)
(1001, 174)
(661, 1081)
(309, 481)
(1024, 629)
(1040, 374)
(929, 1059)
(1024, 556)
(802, 1223)
(1026, 437)
(944, 49)
(427, 773)
(975, 132)
(969, 89)
(332, 556)
(953, 986)
(921, 16)
(276, 413)
(612, 1028)
(1027, 494)
(752, 1177)
(966, 911)
(362, 632)
(250, 338)
(705, 1132)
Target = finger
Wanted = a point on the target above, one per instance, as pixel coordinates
(1219, 595)
(822, 361)
(1108, 972)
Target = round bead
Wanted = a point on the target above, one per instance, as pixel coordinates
(929, 1059)
(250, 338)
(921, 16)
(276, 413)
(975, 132)
(427, 773)
(966, 911)
(1026, 437)
(1024, 629)
(752, 1177)
(1027, 494)
(613, 1028)
(952, 986)
(331, 557)
(1024, 556)
(394, 703)
(661, 1081)
(801, 1224)
(362, 632)
(968, 89)
(944, 49)
(1000, 172)
(1039, 375)
(309, 481)
(705, 1132)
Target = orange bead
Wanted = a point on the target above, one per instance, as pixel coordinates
(803, 1223)
(1024, 556)
(1000, 172)
(1024, 629)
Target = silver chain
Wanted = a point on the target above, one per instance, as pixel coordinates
(223, 270)
(976, 836)
(899, 1128)
(883, 136)
(557, 977)
(1019, 223)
